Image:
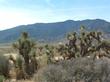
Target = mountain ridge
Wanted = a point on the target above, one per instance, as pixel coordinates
(53, 31)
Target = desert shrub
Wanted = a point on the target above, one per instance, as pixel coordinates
(51, 74)
(4, 66)
(2, 78)
(79, 69)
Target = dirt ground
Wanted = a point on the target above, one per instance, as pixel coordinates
(25, 81)
(19, 81)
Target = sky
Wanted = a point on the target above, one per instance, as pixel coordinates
(22, 12)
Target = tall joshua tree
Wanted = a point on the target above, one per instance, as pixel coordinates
(24, 46)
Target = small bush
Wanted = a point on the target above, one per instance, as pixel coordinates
(2, 78)
(4, 66)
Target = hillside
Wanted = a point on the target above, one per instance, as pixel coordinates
(52, 31)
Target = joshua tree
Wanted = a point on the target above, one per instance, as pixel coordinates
(24, 46)
(86, 43)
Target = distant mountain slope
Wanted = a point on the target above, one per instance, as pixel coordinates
(53, 31)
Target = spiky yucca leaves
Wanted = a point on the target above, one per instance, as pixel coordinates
(24, 46)
(4, 66)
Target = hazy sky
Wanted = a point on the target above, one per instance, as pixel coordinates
(18, 12)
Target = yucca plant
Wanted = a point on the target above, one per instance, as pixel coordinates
(85, 43)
